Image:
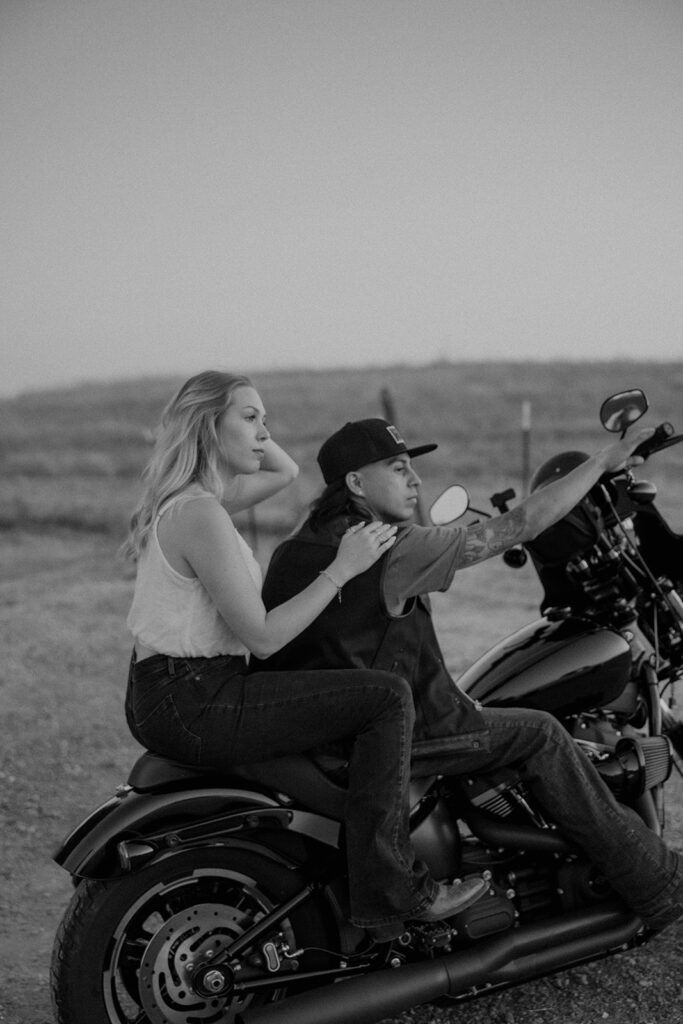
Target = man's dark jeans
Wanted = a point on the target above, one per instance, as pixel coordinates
(207, 711)
(635, 861)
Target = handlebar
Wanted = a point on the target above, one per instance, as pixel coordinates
(516, 556)
(663, 437)
(501, 499)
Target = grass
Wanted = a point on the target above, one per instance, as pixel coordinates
(72, 458)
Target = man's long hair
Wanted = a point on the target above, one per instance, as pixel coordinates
(337, 503)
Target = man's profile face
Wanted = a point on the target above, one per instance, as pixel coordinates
(389, 487)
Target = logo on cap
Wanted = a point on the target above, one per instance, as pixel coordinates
(395, 434)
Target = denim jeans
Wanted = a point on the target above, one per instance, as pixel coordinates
(209, 712)
(634, 860)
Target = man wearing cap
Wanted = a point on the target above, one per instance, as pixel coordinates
(383, 621)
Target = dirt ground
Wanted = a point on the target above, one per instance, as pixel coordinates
(65, 747)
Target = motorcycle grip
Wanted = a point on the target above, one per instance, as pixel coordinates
(662, 438)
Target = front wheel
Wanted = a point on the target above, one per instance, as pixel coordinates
(126, 951)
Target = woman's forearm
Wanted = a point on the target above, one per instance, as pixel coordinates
(278, 470)
(276, 460)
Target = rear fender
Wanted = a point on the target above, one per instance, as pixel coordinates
(133, 828)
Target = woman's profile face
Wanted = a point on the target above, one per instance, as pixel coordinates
(242, 432)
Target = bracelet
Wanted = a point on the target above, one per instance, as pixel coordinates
(330, 577)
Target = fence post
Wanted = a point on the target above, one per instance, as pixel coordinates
(389, 410)
(526, 446)
(388, 407)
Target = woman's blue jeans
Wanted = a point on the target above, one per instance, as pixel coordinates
(209, 712)
(635, 861)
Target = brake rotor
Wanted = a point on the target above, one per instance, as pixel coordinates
(170, 960)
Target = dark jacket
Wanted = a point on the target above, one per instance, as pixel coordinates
(358, 632)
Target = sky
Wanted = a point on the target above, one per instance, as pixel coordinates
(261, 184)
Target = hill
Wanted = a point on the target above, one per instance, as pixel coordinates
(72, 458)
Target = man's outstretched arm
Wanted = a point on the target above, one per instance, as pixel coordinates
(544, 507)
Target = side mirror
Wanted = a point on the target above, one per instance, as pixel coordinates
(449, 506)
(618, 412)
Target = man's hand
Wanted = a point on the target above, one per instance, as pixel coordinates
(619, 455)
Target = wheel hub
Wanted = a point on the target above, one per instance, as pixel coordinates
(171, 966)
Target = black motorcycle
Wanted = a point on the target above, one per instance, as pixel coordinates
(206, 899)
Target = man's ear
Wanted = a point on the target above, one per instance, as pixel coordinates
(354, 484)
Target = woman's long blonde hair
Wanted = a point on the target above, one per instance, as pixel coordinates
(187, 449)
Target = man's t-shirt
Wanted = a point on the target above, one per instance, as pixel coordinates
(423, 560)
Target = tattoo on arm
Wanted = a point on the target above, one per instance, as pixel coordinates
(484, 540)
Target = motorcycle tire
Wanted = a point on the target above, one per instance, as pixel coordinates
(122, 951)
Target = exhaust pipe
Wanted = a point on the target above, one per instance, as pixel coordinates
(517, 956)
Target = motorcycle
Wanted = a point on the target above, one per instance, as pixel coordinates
(203, 898)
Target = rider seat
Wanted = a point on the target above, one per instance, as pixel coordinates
(296, 778)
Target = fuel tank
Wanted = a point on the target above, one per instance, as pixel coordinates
(562, 667)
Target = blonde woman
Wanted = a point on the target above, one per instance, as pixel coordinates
(197, 615)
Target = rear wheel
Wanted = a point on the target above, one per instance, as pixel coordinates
(127, 950)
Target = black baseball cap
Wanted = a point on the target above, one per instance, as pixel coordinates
(361, 442)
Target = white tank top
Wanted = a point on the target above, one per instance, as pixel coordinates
(173, 614)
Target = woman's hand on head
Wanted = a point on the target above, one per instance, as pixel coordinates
(361, 546)
(278, 470)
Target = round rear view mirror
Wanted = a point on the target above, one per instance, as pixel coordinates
(618, 412)
(449, 506)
